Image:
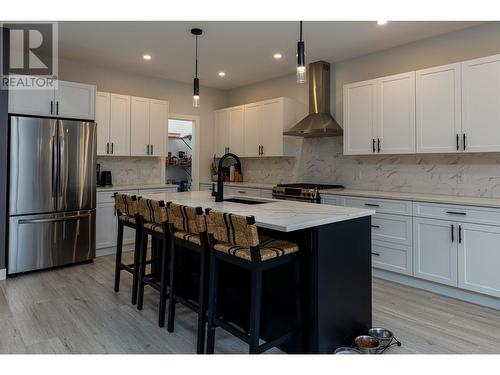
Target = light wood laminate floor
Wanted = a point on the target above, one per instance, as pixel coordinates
(75, 310)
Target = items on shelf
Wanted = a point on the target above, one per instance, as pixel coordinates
(183, 159)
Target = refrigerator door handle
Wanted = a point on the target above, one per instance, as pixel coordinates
(54, 167)
(61, 163)
(53, 220)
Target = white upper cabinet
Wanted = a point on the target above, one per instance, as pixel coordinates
(158, 120)
(236, 126)
(102, 104)
(481, 104)
(439, 109)
(221, 134)
(69, 100)
(360, 117)
(75, 100)
(139, 126)
(253, 129)
(278, 115)
(396, 114)
(119, 125)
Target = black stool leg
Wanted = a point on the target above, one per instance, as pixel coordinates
(154, 257)
(255, 310)
(135, 275)
(163, 283)
(173, 282)
(142, 271)
(202, 302)
(119, 248)
(212, 304)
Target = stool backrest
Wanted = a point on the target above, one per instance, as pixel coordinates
(186, 218)
(233, 229)
(126, 204)
(153, 211)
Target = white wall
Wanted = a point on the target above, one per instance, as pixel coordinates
(178, 94)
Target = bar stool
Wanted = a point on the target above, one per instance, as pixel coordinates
(234, 239)
(127, 214)
(153, 221)
(188, 232)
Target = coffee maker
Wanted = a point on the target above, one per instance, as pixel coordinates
(105, 179)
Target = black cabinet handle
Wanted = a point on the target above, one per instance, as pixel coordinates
(112, 151)
(458, 142)
(372, 205)
(375, 226)
(148, 149)
(376, 254)
(456, 213)
(51, 107)
(378, 144)
(452, 233)
(464, 141)
(151, 149)
(262, 149)
(373, 144)
(57, 108)
(459, 234)
(107, 148)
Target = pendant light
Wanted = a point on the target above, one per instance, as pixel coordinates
(196, 82)
(301, 58)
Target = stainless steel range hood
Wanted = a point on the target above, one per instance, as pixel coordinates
(319, 122)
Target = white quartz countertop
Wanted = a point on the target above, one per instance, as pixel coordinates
(418, 197)
(280, 215)
(255, 185)
(135, 187)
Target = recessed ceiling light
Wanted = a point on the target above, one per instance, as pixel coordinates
(222, 74)
(146, 57)
(382, 22)
(277, 56)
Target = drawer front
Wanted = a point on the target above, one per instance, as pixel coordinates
(472, 214)
(238, 191)
(335, 200)
(385, 206)
(108, 196)
(157, 191)
(392, 257)
(392, 228)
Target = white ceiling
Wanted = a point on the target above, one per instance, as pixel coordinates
(243, 50)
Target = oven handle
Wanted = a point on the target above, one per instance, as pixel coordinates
(56, 219)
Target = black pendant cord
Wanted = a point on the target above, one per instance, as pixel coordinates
(300, 31)
(196, 57)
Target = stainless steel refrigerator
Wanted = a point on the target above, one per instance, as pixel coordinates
(52, 192)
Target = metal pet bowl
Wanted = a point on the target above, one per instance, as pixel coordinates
(382, 334)
(367, 344)
(346, 350)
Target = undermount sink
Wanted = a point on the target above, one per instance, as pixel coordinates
(245, 201)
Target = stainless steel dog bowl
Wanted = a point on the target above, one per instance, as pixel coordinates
(346, 350)
(382, 334)
(367, 344)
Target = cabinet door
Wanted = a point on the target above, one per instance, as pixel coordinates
(75, 100)
(236, 129)
(139, 126)
(439, 109)
(253, 126)
(102, 119)
(221, 136)
(360, 117)
(106, 225)
(158, 115)
(481, 104)
(32, 102)
(435, 250)
(479, 258)
(271, 131)
(396, 114)
(119, 120)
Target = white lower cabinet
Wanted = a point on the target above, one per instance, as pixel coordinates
(479, 258)
(392, 257)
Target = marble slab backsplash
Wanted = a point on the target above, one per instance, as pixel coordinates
(131, 170)
(320, 160)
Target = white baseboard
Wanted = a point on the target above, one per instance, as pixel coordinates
(445, 290)
(3, 273)
(112, 250)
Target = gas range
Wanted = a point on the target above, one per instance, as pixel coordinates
(301, 191)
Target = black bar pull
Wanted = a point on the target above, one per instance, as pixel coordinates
(378, 144)
(372, 205)
(262, 149)
(375, 226)
(57, 108)
(458, 142)
(464, 141)
(456, 213)
(112, 144)
(107, 148)
(151, 149)
(452, 233)
(459, 234)
(373, 144)
(376, 254)
(51, 107)
(148, 149)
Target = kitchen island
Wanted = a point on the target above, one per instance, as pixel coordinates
(335, 286)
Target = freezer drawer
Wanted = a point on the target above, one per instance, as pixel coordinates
(43, 241)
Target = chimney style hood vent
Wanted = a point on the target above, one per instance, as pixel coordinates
(319, 122)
